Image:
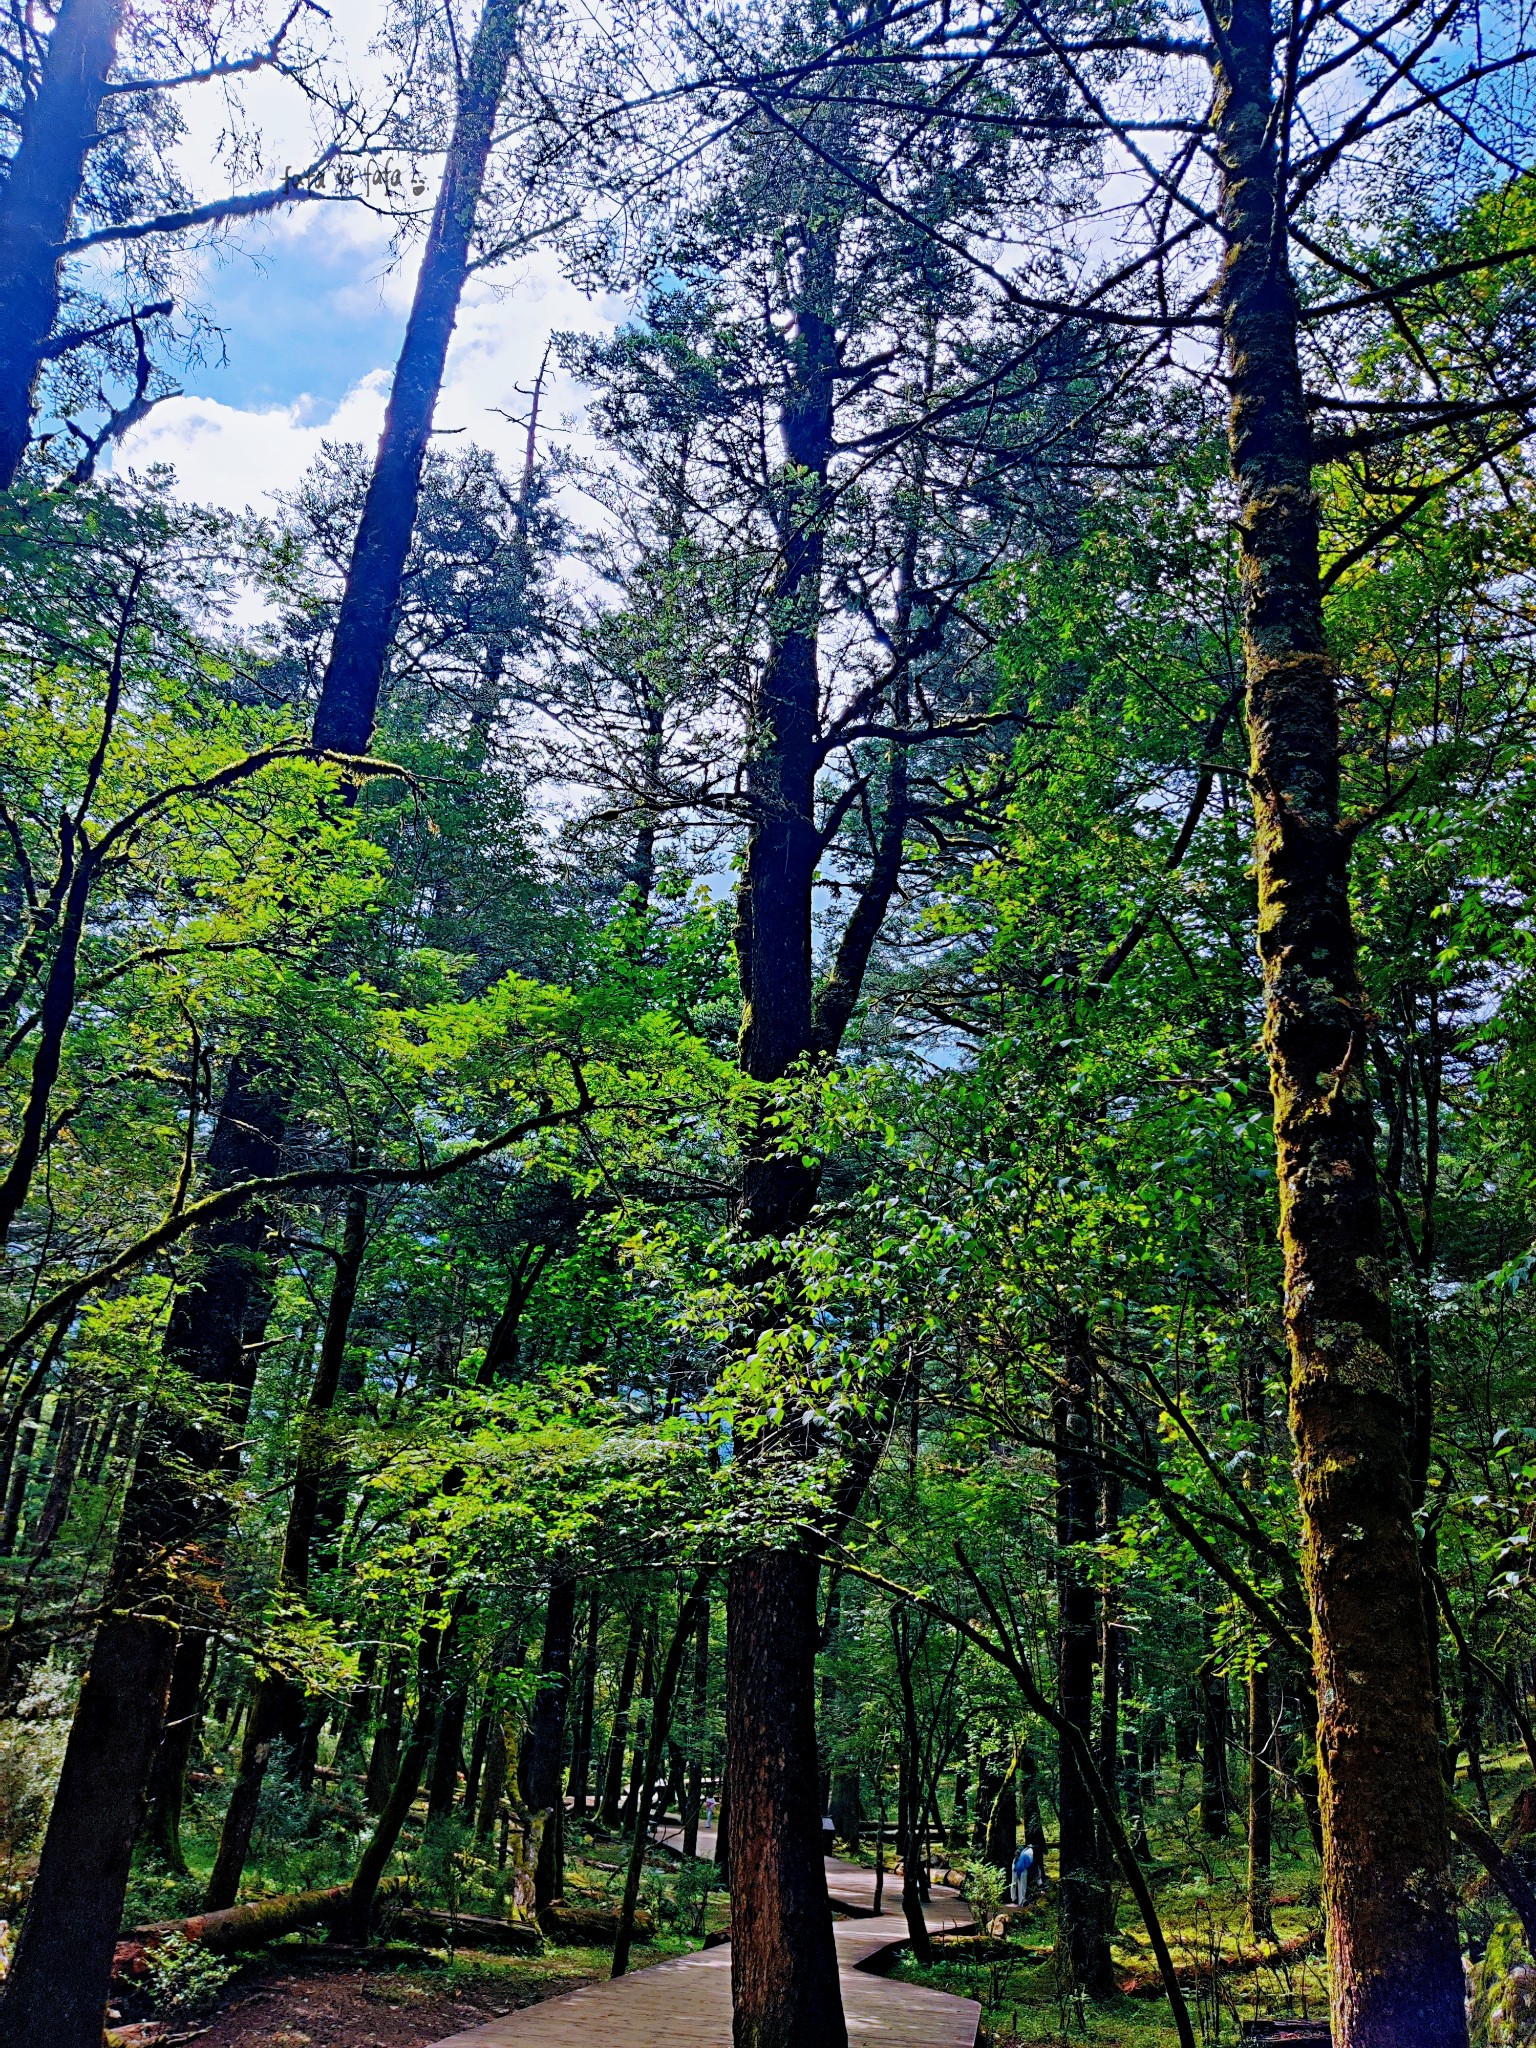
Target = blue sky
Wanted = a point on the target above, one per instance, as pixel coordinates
(313, 314)
(302, 318)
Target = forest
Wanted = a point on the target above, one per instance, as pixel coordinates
(808, 1124)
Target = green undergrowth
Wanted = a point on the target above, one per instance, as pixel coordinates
(1199, 1885)
(449, 1870)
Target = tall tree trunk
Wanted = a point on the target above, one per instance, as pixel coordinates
(447, 1755)
(493, 1781)
(783, 1961)
(167, 1790)
(1082, 1904)
(586, 1707)
(545, 1748)
(637, 1753)
(384, 1753)
(618, 1734)
(1111, 1668)
(474, 1770)
(1215, 1781)
(661, 1721)
(71, 1926)
(277, 1708)
(252, 1117)
(909, 1793)
(59, 127)
(1031, 1819)
(365, 624)
(65, 1440)
(847, 1808)
(431, 1659)
(1261, 1804)
(59, 1999)
(998, 1819)
(343, 722)
(693, 1793)
(21, 1473)
(1393, 1946)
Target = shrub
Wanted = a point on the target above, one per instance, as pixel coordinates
(32, 1754)
(183, 1979)
(695, 1881)
(282, 1810)
(982, 1890)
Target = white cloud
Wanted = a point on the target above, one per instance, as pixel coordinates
(225, 456)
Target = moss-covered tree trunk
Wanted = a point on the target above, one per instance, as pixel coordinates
(1392, 1938)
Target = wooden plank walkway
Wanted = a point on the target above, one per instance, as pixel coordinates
(686, 2003)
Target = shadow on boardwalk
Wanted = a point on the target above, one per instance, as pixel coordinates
(686, 2003)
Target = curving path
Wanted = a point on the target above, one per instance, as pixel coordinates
(686, 2003)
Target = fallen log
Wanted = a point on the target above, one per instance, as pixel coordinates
(590, 1926)
(257, 1922)
(467, 1930)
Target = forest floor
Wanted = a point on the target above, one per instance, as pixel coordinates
(299, 1994)
(298, 1998)
(1199, 1884)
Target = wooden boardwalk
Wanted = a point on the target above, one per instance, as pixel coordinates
(686, 2003)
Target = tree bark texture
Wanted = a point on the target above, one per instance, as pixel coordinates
(493, 1780)
(365, 624)
(1392, 1938)
(783, 1962)
(43, 182)
(254, 1925)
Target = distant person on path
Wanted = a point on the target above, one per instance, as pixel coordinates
(1023, 1863)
